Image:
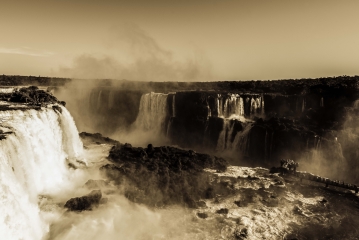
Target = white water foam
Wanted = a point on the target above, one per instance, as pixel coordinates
(34, 161)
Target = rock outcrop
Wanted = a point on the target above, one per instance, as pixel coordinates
(87, 202)
(162, 175)
(97, 138)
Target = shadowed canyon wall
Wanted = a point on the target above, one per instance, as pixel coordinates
(254, 122)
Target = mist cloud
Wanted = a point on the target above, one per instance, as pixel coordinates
(135, 55)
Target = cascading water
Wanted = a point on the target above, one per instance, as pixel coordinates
(230, 106)
(233, 108)
(240, 107)
(219, 106)
(174, 106)
(257, 105)
(221, 144)
(152, 112)
(225, 139)
(99, 100)
(242, 140)
(34, 159)
(262, 110)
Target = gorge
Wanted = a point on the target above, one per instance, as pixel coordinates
(150, 179)
(252, 123)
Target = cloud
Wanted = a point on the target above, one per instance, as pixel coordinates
(26, 51)
(135, 55)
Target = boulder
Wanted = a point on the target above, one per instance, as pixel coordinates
(86, 202)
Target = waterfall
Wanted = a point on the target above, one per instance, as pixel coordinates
(242, 140)
(230, 106)
(99, 99)
(234, 106)
(226, 137)
(253, 106)
(33, 162)
(240, 107)
(221, 144)
(225, 108)
(152, 112)
(174, 106)
(257, 105)
(262, 106)
(219, 106)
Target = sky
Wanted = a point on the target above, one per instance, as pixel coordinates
(167, 40)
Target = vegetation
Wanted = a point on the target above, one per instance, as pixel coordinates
(32, 95)
(15, 80)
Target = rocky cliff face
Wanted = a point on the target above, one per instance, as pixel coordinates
(256, 121)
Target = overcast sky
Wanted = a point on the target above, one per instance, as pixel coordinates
(179, 40)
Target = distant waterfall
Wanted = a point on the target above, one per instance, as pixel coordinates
(240, 107)
(219, 106)
(99, 100)
(256, 105)
(233, 106)
(241, 141)
(174, 105)
(227, 136)
(33, 161)
(152, 112)
(230, 106)
(222, 139)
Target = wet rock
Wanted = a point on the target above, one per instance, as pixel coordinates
(210, 193)
(57, 108)
(241, 234)
(85, 202)
(201, 204)
(252, 177)
(238, 203)
(71, 165)
(97, 138)
(222, 211)
(324, 201)
(202, 215)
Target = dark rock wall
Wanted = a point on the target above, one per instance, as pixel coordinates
(111, 109)
(193, 122)
(296, 114)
